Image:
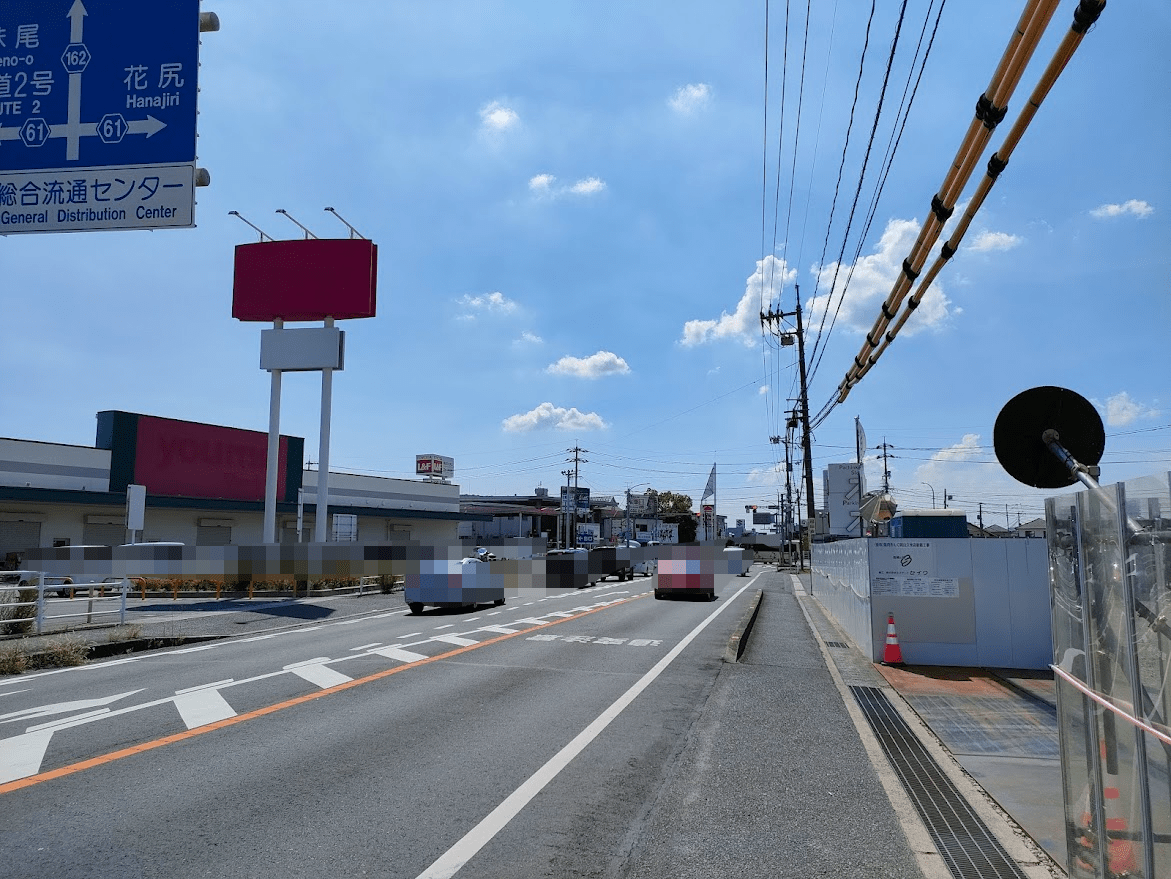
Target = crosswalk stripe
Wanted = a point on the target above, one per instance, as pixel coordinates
(399, 654)
(321, 675)
(21, 755)
(201, 707)
(455, 639)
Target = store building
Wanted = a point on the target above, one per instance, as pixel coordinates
(205, 486)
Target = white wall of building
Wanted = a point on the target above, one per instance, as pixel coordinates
(28, 464)
(378, 491)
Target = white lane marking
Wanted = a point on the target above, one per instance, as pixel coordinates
(14, 692)
(210, 686)
(536, 621)
(456, 640)
(505, 630)
(107, 664)
(198, 649)
(202, 706)
(394, 652)
(471, 619)
(494, 613)
(66, 722)
(367, 646)
(445, 626)
(320, 674)
(63, 707)
(560, 613)
(451, 861)
(21, 756)
(259, 638)
(411, 635)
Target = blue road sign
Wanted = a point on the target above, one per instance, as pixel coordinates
(97, 83)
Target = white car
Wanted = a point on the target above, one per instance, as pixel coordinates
(647, 566)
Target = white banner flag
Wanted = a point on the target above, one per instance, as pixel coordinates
(861, 439)
(710, 489)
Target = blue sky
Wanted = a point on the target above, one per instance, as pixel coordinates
(573, 203)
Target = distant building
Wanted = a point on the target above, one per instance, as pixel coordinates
(1035, 528)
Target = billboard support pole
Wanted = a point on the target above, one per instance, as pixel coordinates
(274, 440)
(323, 465)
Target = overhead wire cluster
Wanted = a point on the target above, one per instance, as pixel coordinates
(777, 332)
(991, 109)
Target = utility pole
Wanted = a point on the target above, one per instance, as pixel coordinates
(886, 467)
(775, 317)
(980, 519)
(577, 461)
(570, 502)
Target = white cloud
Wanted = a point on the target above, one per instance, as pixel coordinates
(874, 276)
(690, 98)
(588, 186)
(496, 118)
(1121, 410)
(763, 390)
(963, 470)
(490, 302)
(987, 242)
(594, 366)
(542, 185)
(1134, 207)
(967, 449)
(761, 289)
(547, 415)
(527, 338)
(766, 476)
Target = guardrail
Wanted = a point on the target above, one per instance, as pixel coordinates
(25, 581)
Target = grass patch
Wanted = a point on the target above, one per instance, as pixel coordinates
(63, 652)
(124, 633)
(13, 659)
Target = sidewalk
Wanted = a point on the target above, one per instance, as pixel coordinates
(786, 776)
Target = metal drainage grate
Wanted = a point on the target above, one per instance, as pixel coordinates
(838, 644)
(965, 843)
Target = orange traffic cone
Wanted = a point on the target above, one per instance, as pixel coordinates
(892, 655)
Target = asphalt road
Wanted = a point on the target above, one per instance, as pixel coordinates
(526, 740)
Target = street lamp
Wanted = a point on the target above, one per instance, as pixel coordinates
(932, 487)
(629, 524)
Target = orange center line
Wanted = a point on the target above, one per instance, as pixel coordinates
(142, 748)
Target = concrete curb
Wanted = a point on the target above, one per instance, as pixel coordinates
(739, 639)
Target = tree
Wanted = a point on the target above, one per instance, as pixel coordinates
(675, 508)
(672, 504)
(687, 529)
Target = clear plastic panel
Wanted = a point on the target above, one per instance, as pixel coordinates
(1110, 557)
